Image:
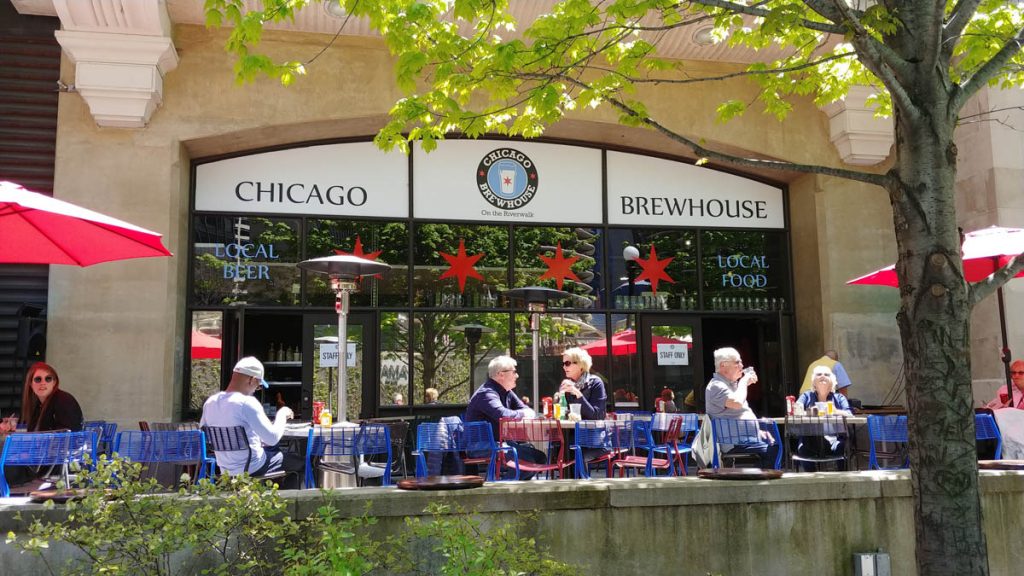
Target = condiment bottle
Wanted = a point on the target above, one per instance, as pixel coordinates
(563, 406)
(325, 417)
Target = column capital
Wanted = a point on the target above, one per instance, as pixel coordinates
(860, 137)
(121, 50)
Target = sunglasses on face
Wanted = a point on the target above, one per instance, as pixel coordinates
(1017, 372)
(38, 379)
(567, 362)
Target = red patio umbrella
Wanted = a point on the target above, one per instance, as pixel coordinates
(37, 229)
(204, 346)
(625, 343)
(984, 251)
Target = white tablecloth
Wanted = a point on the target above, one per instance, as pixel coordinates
(1011, 427)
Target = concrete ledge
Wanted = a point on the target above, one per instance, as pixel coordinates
(681, 525)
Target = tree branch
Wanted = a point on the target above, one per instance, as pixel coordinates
(959, 17)
(988, 71)
(983, 289)
(761, 13)
(882, 180)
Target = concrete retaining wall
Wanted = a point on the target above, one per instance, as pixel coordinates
(800, 524)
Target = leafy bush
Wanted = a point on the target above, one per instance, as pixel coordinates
(240, 526)
(130, 527)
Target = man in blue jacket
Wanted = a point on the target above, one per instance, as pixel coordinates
(494, 400)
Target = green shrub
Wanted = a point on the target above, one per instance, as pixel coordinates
(240, 526)
(133, 527)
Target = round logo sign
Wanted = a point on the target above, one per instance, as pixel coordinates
(507, 178)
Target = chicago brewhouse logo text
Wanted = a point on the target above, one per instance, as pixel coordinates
(507, 178)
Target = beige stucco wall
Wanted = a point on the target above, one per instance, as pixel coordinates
(990, 175)
(117, 329)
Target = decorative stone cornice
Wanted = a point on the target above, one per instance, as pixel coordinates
(860, 137)
(121, 50)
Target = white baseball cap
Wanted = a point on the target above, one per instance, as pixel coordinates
(250, 366)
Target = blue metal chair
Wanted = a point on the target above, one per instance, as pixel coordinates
(473, 442)
(185, 447)
(46, 449)
(105, 431)
(351, 442)
(643, 439)
(687, 433)
(746, 434)
(234, 439)
(604, 439)
(890, 429)
(985, 428)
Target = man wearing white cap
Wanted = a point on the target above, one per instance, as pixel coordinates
(236, 406)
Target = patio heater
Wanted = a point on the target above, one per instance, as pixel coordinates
(473, 333)
(344, 272)
(536, 299)
(330, 370)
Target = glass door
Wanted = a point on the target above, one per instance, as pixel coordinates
(321, 363)
(672, 357)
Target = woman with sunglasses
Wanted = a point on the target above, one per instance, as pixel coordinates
(581, 387)
(44, 406)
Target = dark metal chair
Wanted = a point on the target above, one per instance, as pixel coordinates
(234, 439)
(745, 434)
(351, 442)
(811, 429)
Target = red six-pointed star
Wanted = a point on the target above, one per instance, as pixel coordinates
(559, 267)
(461, 265)
(654, 270)
(357, 251)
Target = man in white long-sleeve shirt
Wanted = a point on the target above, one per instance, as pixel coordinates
(236, 406)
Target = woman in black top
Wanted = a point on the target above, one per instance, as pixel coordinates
(44, 406)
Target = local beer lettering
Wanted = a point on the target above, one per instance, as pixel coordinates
(246, 271)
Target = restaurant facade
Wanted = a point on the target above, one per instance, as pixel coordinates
(247, 181)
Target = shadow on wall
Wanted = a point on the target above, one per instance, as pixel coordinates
(869, 348)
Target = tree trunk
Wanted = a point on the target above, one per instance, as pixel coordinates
(934, 322)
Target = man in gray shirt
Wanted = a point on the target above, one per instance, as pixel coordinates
(726, 397)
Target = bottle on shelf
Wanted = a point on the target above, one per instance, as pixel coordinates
(297, 355)
(272, 353)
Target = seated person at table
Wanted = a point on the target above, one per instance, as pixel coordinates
(236, 406)
(581, 387)
(824, 384)
(666, 402)
(44, 408)
(726, 397)
(1002, 400)
(494, 400)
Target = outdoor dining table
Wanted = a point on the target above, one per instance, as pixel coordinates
(851, 421)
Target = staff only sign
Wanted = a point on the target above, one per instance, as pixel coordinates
(354, 179)
(507, 181)
(652, 191)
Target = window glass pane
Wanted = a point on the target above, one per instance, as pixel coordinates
(745, 270)
(245, 260)
(575, 269)
(482, 265)
(624, 366)
(205, 354)
(394, 358)
(674, 265)
(365, 239)
(325, 378)
(441, 352)
(558, 331)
